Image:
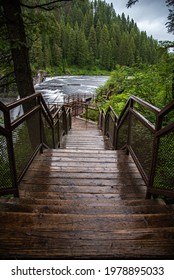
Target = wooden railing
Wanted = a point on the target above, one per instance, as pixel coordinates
(23, 138)
(142, 131)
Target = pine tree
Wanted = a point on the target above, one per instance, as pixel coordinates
(92, 42)
(82, 49)
(105, 48)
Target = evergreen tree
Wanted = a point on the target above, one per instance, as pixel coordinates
(92, 41)
(81, 33)
(105, 48)
(82, 49)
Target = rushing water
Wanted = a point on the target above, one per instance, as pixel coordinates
(54, 89)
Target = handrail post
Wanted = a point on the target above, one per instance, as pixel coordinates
(53, 135)
(69, 119)
(154, 156)
(115, 133)
(64, 120)
(105, 123)
(40, 124)
(86, 112)
(99, 120)
(129, 126)
(10, 149)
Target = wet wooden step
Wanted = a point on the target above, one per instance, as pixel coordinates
(69, 222)
(85, 135)
(70, 208)
(73, 235)
(84, 202)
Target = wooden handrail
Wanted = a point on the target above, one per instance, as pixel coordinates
(155, 131)
(34, 106)
(166, 109)
(114, 126)
(22, 101)
(24, 117)
(165, 130)
(143, 120)
(145, 104)
(3, 107)
(43, 103)
(112, 110)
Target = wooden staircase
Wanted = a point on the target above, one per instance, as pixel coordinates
(85, 201)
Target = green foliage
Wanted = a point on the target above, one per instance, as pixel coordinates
(152, 83)
(92, 114)
(77, 70)
(85, 33)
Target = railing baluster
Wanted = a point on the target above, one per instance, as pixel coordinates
(10, 150)
(44, 118)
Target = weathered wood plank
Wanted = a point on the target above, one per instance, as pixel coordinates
(83, 169)
(150, 234)
(76, 196)
(84, 175)
(84, 202)
(82, 209)
(85, 222)
(85, 182)
(82, 189)
(84, 159)
(112, 153)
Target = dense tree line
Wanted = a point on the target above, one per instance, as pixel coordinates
(61, 34)
(88, 33)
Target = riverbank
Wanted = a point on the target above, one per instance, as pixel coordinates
(72, 71)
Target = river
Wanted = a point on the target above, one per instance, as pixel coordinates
(55, 89)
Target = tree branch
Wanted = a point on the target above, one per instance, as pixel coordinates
(45, 6)
(6, 76)
(131, 2)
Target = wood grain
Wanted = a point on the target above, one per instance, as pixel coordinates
(85, 201)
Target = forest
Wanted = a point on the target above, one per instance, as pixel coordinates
(79, 34)
(89, 37)
(85, 37)
(88, 34)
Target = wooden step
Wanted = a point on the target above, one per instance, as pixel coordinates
(84, 202)
(57, 235)
(86, 222)
(81, 208)
(85, 135)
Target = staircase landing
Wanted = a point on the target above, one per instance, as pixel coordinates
(84, 202)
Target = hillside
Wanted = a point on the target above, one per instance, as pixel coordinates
(88, 34)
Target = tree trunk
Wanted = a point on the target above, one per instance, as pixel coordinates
(173, 85)
(20, 57)
(19, 49)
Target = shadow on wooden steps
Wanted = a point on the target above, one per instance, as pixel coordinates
(84, 204)
(85, 135)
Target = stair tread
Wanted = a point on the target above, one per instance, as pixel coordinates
(84, 201)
